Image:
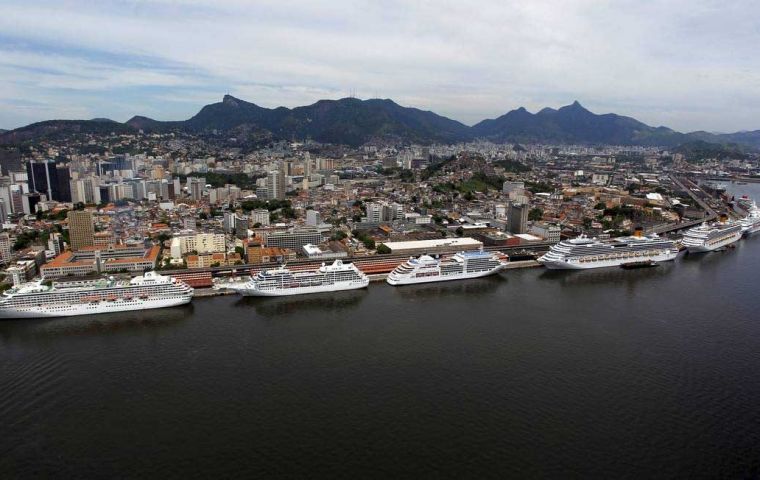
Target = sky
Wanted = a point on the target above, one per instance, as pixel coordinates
(690, 65)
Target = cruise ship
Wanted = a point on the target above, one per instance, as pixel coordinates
(65, 297)
(709, 237)
(281, 281)
(583, 252)
(460, 266)
(751, 223)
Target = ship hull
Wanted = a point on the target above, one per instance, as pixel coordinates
(463, 276)
(251, 292)
(751, 229)
(617, 262)
(704, 248)
(91, 308)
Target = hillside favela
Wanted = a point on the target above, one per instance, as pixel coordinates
(379, 262)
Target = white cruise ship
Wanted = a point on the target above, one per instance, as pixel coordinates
(751, 223)
(281, 281)
(463, 265)
(85, 297)
(709, 237)
(583, 252)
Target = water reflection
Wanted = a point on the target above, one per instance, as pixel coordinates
(606, 276)
(709, 260)
(457, 288)
(323, 302)
(101, 324)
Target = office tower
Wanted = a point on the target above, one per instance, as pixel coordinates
(81, 231)
(306, 164)
(229, 222)
(196, 190)
(276, 185)
(29, 203)
(64, 183)
(3, 211)
(17, 198)
(10, 160)
(518, 218)
(43, 178)
(105, 194)
(5, 248)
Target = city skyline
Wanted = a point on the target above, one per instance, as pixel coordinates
(676, 64)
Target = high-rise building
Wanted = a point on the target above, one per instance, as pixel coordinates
(63, 189)
(3, 212)
(55, 243)
(5, 248)
(260, 216)
(276, 185)
(29, 203)
(43, 178)
(229, 222)
(81, 231)
(10, 160)
(517, 222)
(383, 212)
(312, 218)
(85, 190)
(17, 198)
(241, 227)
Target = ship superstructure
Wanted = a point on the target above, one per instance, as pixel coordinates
(282, 281)
(708, 237)
(463, 265)
(85, 297)
(584, 253)
(751, 223)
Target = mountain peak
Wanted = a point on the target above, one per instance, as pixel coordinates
(574, 107)
(230, 100)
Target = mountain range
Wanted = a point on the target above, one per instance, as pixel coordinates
(351, 121)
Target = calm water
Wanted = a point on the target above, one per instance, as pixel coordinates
(606, 374)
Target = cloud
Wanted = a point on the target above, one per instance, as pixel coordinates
(689, 65)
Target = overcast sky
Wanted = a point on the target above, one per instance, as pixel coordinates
(690, 65)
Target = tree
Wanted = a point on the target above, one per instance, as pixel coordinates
(535, 214)
(338, 235)
(383, 249)
(240, 250)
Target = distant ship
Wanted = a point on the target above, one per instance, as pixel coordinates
(751, 223)
(461, 266)
(584, 253)
(710, 237)
(86, 297)
(281, 281)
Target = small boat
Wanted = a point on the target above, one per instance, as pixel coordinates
(634, 265)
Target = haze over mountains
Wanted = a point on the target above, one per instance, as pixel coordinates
(353, 122)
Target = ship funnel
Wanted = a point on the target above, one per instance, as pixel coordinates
(638, 232)
(723, 218)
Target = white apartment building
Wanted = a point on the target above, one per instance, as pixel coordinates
(202, 243)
